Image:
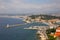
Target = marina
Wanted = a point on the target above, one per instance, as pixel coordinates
(38, 28)
(41, 30)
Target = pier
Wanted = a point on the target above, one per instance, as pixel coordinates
(13, 25)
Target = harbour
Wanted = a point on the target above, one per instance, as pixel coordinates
(37, 28)
(16, 32)
(29, 19)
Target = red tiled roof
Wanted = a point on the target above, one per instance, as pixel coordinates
(57, 33)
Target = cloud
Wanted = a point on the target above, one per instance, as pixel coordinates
(18, 6)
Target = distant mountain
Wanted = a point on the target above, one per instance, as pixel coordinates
(55, 14)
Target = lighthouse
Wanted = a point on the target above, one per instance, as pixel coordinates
(7, 26)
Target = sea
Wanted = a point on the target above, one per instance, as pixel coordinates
(17, 32)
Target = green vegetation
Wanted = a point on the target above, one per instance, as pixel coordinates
(49, 36)
(45, 17)
(50, 30)
(34, 16)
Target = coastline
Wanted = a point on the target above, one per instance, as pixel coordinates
(17, 17)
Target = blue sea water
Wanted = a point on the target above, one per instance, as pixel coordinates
(17, 32)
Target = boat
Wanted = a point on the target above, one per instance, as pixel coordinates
(46, 23)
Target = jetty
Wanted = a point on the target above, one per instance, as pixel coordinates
(13, 25)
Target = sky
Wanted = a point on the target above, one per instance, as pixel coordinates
(29, 6)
